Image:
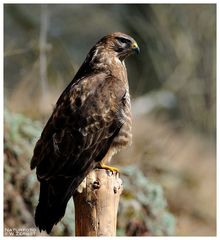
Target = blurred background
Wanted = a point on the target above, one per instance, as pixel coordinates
(169, 172)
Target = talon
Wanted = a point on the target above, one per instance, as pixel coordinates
(110, 168)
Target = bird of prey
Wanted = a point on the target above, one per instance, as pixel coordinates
(91, 122)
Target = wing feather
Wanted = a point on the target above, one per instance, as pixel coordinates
(81, 128)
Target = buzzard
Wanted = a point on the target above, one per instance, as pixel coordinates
(91, 121)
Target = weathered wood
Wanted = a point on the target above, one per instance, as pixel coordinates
(96, 204)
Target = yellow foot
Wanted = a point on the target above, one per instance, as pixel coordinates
(103, 166)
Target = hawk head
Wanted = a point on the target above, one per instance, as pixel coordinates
(108, 51)
(119, 43)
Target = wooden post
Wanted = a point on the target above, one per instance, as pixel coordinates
(96, 204)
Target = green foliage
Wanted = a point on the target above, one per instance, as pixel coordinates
(21, 185)
(21, 132)
(144, 203)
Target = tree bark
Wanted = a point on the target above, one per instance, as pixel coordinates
(96, 204)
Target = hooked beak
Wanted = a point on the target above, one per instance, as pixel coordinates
(135, 48)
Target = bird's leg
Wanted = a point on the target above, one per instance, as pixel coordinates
(102, 165)
(107, 159)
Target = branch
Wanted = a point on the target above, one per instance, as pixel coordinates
(96, 204)
(43, 49)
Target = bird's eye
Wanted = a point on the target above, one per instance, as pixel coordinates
(123, 40)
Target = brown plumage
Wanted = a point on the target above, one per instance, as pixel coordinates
(90, 123)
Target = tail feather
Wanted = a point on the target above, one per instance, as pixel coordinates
(54, 196)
